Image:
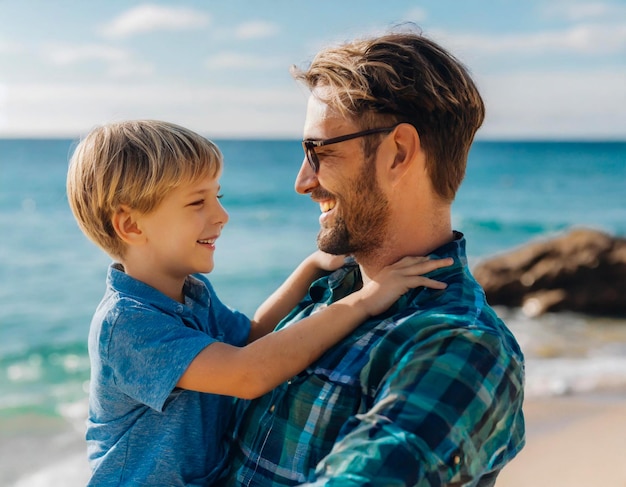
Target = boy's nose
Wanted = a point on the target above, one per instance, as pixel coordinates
(222, 216)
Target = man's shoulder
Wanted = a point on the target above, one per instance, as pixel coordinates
(442, 318)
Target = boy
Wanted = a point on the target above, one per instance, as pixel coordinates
(166, 355)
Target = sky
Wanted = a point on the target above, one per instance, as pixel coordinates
(547, 69)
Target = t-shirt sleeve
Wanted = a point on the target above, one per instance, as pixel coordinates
(149, 351)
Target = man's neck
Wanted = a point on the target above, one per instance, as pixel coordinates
(397, 248)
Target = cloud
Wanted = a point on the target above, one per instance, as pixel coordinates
(528, 104)
(63, 55)
(118, 62)
(579, 39)
(72, 109)
(555, 104)
(130, 69)
(3, 96)
(256, 29)
(150, 18)
(10, 47)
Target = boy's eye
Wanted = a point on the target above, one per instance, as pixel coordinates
(196, 203)
(220, 196)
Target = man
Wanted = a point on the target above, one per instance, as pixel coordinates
(430, 392)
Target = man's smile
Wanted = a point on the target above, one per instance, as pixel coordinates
(327, 205)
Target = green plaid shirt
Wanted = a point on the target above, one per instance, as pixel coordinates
(428, 394)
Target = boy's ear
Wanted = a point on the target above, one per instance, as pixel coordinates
(125, 225)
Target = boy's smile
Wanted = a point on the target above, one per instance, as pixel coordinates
(208, 242)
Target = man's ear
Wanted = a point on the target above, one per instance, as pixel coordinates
(124, 223)
(407, 148)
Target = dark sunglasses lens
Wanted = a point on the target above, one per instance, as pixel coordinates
(312, 158)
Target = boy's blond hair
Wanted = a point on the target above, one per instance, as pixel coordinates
(133, 163)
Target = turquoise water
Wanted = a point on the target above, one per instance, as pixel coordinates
(52, 277)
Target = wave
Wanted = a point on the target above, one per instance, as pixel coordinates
(40, 380)
(565, 376)
(569, 353)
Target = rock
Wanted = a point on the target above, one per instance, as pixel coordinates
(583, 270)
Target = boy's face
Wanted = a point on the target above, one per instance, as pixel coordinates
(181, 232)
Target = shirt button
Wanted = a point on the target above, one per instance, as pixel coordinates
(456, 459)
(272, 408)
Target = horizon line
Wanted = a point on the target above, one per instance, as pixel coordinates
(285, 138)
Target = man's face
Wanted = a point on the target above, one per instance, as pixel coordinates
(354, 208)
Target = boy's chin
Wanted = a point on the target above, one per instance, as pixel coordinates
(205, 269)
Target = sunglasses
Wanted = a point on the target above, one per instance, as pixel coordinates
(309, 145)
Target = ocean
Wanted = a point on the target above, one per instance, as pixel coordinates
(52, 277)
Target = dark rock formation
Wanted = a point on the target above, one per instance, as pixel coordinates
(583, 270)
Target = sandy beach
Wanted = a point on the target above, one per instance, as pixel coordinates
(571, 441)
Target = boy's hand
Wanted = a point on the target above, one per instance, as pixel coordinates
(327, 262)
(396, 279)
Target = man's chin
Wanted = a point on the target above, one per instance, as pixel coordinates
(331, 244)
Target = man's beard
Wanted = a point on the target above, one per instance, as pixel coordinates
(361, 228)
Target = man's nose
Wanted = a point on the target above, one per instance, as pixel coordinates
(306, 180)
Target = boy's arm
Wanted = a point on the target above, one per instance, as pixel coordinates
(259, 367)
(290, 292)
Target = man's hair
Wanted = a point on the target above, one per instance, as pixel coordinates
(404, 77)
(134, 163)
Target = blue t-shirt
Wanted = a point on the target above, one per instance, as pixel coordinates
(141, 429)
